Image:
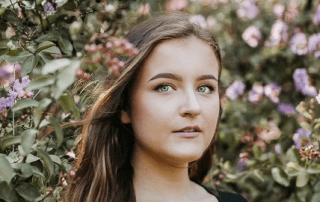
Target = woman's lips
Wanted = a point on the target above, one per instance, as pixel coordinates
(187, 134)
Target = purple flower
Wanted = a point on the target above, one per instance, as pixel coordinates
(309, 91)
(314, 44)
(277, 148)
(19, 87)
(272, 90)
(256, 93)
(235, 89)
(316, 17)
(286, 108)
(8, 101)
(279, 32)
(242, 164)
(48, 8)
(301, 137)
(301, 78)
(251, 36)
(199, 20)
(299, 44)
(247, 10)
(301, 81)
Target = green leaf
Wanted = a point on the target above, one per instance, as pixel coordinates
(65, 45)
(31, 158)
(44, 103)
(257, 151)
(17, 56)
(303, 111)
(27, 191)
(65, 78)
(304, 193)
(67, 102)
(315, 197)
(26, 170)
(28, 64)
(55, 65)
(6, 171)
(280, 177)
(58, 130)
(24, 103)
(293, 169)
(27, 139)
(302, 178)
(9, 141)
(306, 126)
(7, 193)
(53, 50)
(44, 57)
(314, 169)
(44, 45)
(46, 161)
(40, 82)
(293, 155)
(55, 159)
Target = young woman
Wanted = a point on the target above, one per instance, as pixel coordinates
(150, 136)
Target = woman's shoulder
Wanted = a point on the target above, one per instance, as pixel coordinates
(226, 196)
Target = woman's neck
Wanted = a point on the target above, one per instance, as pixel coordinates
(155, 179)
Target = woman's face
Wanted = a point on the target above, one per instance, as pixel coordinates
(177, 87)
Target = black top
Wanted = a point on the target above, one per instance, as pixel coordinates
(224, 196)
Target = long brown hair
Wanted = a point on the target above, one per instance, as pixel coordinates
(103, 169)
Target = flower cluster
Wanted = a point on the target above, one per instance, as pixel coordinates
(314, 44)
(309, 152)
(247, 10)
(256, 93)
(302, 84)
(199, 20)
(235, 89)
(279, 32)
(112, 54)
(272, 91)
(286, 108)
(18, 91)
(251, 36)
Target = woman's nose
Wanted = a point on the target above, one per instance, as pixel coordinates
(190, 105)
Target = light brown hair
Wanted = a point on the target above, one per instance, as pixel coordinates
(103, 169)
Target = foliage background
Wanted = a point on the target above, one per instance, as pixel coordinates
(57, 55)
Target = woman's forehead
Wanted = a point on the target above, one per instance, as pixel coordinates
(186, 54)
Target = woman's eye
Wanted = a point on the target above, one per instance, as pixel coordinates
(206, 89)
(163, 88)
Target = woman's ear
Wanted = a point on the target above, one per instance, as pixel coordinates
(125, 117)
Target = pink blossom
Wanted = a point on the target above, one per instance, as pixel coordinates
(279, 32)
(251, 36)
(272, 90)
(247, 10)
(256, 93)
(271, 132)
(318, 97)
(176, 5)
(199, 20)
(144, 9)
(278, 10)
(211, 22)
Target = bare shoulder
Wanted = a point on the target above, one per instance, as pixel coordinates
(203, 195)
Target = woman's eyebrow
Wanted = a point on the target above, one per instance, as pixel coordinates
(179, 78)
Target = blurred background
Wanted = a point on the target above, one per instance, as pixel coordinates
(56, 56)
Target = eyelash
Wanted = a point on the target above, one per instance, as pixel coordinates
(211, 88)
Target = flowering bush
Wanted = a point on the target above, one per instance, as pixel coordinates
(57, 55)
